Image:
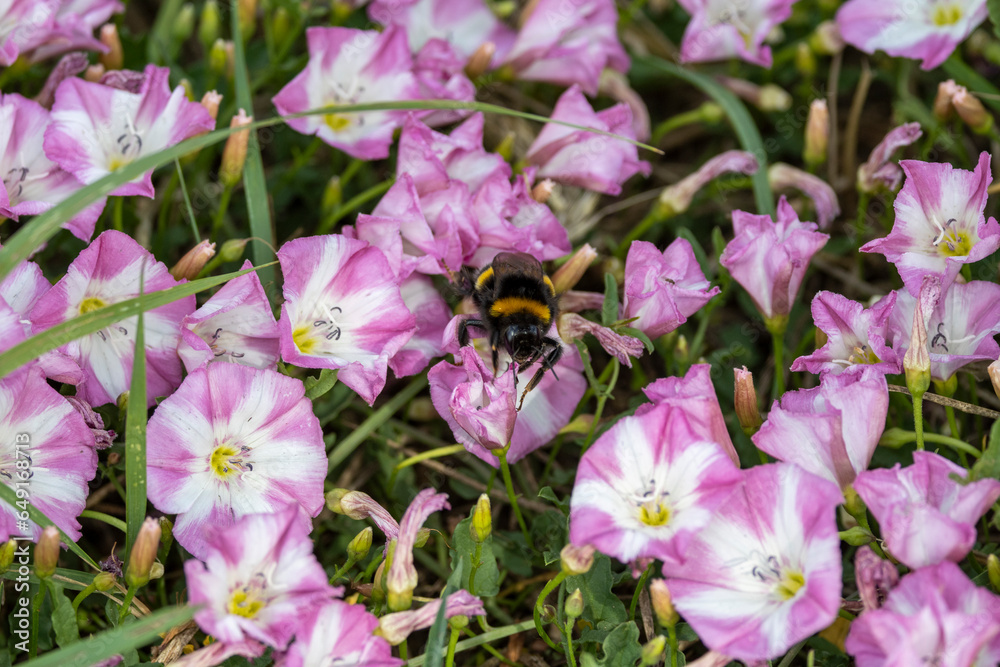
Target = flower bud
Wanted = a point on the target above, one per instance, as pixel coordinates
(104, 581)
(548, 614)
(183, 26)
(234, 155)
(826, 39)
(115, 56)
(143, 553)
(211, 101)
(943, 109)
(359, 546)
(333, 195)
(652, 652)
(917, 360)
(817, 133)
(971, 111)
(7, 554)
(423, 535)
(574, 604)
(247, 12)
(193, 261)
(232, 250)
(94, 73)
(766, 98)
(188, 89)
(895, 437)
(217, 58)
(663, 605)
(480, 60)
(506, 146)
(805, 60)
(208, 27)
(378, 583)
(47, 553)
(458, 622)
(576, 560)
(746, 402)
(542, 191)
(854, 505)
(156, 571)
(482, 519)
(994, 371)
(569, 274)
(993, 570)
(281, 25)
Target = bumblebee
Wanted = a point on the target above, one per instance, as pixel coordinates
(517, 305)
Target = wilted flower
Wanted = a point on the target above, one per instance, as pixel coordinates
(721, 29)
(663, 289)
(108, 271)
(926, 516)
(939, 222)
(233, 440)
(348, 66)
(235, 325)
(786, 177)
(929, 31)
(259, 579)
(856, 336)
(587, 159)
(97, 129)
(935, 616)
(648, 485)
(831, 430)
(338, 632)
(342, 310)
(574, 327)
(402, 576)
(878, 173)
(398, 626)
(359, 505)
(817, 135)
(765, 572)
(677, 198)
(875, 577)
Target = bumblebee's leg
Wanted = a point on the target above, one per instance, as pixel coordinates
(463, 334)
(549, 360)
(494, 350)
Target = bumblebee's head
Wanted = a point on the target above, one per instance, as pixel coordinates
(523, 342)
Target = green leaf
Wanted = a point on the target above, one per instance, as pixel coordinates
(621, 648)
(135, 434)
(741, 120)
(316, 387)
(609, 309)
(96, 320)
(487, 583)
(635, 333)
(10, 497)
(993, 7)
(118, 640)
(600, 602)
(988, 465)
(63, 616)
(547, 493)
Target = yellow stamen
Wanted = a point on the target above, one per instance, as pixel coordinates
(303, 340)
(657, 515)
(790, 584)
(947, 14)
(336, 122)
(220, 461)
(244, 604)
(90, 304)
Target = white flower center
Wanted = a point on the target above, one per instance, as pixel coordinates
(946, 13)
(308, 337)
(653, 505)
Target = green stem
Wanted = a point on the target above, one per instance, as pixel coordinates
(787, 660)
(676, 122)
(187, 203)
(859, 226)
(220, 213)
(704, 317)
(351, 204)
(638, 591)
(341, 570)
(404, 651)
(540, 602)
(602, 398)
(477, 556)
(36, 607)
(654, 216)
(430, 454)
(126, 603)
(449, 660)
(106, 518)
(903, 437)
(674, 647)
(918, 420)
(116, 214)
(778, 339)
(568, 634)
(165, 207)
(82, 595)
(953, 425)
(505, 471)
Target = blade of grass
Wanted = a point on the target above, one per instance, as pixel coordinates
(7, 495)
(119, 640)
(96, 320)
(44, 226)
(135, 436)
(739, 117)
(187, 203)
(254, 183)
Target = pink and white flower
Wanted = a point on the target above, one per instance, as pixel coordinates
(831, 430)
(648, 485)
(939, 224)
(466, 24)
(676, 198)
(568, 42)
(233, 440)
(348, 66)
(721, 29)
(586, 159)
(47, 454)
(259, 580)
(342, 310)
(935, 616)
(73, 26)
(765, 573)
(432, 316)
(440, 75)
(236, 325)
(880, 172)
(663, 289)
(856, 336)
(108, 271)
(925, 515)
(97, 129)
(23, 23)
(928, 31)
(338, 632)
(32, 183)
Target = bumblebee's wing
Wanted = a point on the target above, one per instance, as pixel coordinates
(506, 263)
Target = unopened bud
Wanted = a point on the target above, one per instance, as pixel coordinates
(972, 112)
(917, 360)
(333, 195)
(576, 560)
(506, 146)
(47, 553)
(548, 614)
(652, 652)
(895, 437)
(7, 554)
(805, 60)
(574, 604)
(480, 60)
(188, 89)
(232, 250)
(854, 505)
(423, 535)
(156, 571)
(104, 581)
(334, 502)
(943, 110)
(826, 39)
(569, 274)
(217, 56)
(94, 73)
(183, 26)
(230, 58)
(746, 402)
(247, 13)
(458, 622)
(482, 519)
(543, 190)
(193, 261)
(359, 546)
(817, 133)
(993, 570)
(774, 98)
(208, 27)
(211, 101)
(663, 604)
(115, 56)
(122, 402)
(281, 25)
(994, 371)
(143, 553)
(378, 584)
(234, 155)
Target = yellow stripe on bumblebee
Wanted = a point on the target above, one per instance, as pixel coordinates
(513, 304)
